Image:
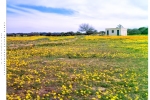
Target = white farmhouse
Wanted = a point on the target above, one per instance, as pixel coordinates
(119, 30)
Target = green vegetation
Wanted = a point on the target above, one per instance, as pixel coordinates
(139, 31)
(77, 68)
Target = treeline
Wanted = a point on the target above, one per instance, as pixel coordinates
(44, 34)
(87, 30)
(138, 31)
(54, 34)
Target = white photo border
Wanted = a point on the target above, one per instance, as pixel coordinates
(3, 49)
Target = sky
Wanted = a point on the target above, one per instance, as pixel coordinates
(67, 15)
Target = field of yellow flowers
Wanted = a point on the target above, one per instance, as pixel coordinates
(77, 68)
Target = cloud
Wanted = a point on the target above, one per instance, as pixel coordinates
(43, 9)
(16, 8)
(55, 16)
(49, 9)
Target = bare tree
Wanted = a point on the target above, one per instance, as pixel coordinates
(119, 26)
(86, 28)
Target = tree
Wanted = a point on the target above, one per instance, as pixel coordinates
(133, 31)
(119, 26)
(143, 30)
(78, 33)
(86, 28)
(102, 33)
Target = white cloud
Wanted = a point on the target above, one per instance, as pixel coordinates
(98, 13)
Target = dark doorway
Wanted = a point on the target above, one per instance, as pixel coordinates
(117, 32)
(107, 32)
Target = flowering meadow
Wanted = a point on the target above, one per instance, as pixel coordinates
(77, 68)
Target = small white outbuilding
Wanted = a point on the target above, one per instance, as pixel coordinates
(118, 31)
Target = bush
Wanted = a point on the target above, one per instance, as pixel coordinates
(133, 31)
